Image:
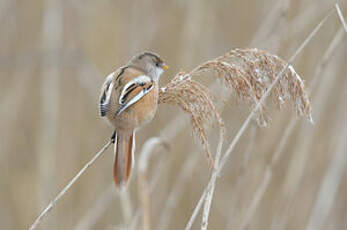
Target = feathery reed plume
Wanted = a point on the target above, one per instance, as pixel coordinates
(249, 72)
(195, 99)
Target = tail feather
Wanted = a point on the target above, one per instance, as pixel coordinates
(124, 157)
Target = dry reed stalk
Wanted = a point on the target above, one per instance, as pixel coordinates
(194, 15)
(176, 192)
(153, 184)
(278, 35)
(261, 34)
(305, 16)
(196, 210)
(67, 187)
(195, 99)
(240, 179)
(145, 201)
(287, 133)
(144, 190)
(5, 6)
(342, 19)
(12, 101)
(299, 162)
(334, 174)
(249, 149)
(210, 190)
(258, 106)
(272, 18)
(52, 32)
(279, 219)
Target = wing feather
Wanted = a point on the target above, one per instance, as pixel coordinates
(105, 96)
(133, 91)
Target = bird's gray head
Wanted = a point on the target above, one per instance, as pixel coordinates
(150, 63)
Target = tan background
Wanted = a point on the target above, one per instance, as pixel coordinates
(54, 56)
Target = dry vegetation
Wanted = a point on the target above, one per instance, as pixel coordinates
(249, 73)
(290, 175)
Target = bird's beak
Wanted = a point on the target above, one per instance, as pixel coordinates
(164, 66)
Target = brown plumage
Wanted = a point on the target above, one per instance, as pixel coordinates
(128, 100)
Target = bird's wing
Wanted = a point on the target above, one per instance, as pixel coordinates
(133, 91)
(105, 96)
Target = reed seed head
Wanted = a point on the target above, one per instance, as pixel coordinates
(249, 73)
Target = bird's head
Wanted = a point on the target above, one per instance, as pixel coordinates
(150, 63)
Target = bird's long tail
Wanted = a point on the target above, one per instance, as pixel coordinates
(124, 149)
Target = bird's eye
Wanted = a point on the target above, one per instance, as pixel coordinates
(157, 64)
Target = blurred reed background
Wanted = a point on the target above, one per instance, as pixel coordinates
(54, 56)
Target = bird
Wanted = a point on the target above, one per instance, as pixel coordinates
(128, 100)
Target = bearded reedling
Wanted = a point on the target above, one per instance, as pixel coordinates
(128, 100)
